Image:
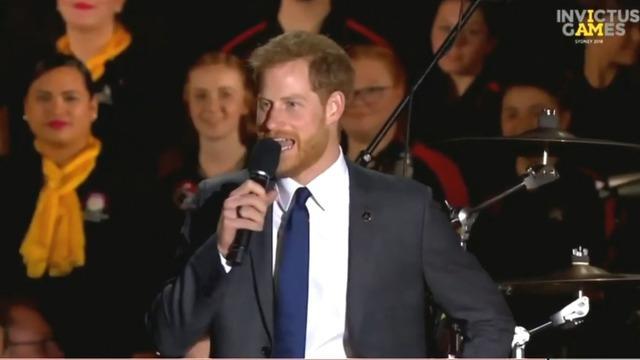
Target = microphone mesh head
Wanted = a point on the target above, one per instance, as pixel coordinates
(265, 157)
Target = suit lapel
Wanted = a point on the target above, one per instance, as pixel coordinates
(261, 258)
(362, 225)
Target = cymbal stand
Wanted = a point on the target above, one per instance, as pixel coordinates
(570, 316)
(537, 176)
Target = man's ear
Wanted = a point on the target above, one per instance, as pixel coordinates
(334, 107)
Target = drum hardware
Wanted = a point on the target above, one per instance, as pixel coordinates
(604, 156)
(622, 185)
(581, 276)
(537, 176)
(570, 316)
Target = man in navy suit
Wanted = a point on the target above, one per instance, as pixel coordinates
(377, 247)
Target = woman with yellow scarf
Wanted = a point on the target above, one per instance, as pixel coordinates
(126, 72)
(78, 225)
(133, 85)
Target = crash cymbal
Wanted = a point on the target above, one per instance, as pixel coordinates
(604, 156)
(578, 277)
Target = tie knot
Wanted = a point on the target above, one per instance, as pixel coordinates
(301, 196)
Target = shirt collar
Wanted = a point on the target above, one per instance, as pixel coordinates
(323, 187)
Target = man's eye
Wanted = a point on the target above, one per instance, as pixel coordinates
(291, 104)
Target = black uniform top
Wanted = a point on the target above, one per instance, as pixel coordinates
(98, 309)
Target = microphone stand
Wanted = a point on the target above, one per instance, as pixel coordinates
(537, 176)
(365, 157)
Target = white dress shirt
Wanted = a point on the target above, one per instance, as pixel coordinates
(328, 256)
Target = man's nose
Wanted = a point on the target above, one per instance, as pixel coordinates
(272, 120)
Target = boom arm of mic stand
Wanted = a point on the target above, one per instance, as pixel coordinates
(365, 157)
(536, 176)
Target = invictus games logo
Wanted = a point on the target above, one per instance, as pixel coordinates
(588, 23)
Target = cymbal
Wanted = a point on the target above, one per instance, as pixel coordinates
(578, 277)
(603, 155)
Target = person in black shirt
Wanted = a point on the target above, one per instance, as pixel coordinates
(380, 85)
(606, 86)
(78, 223)
(325, 17)
(461, 97)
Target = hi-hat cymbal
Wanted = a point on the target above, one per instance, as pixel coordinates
(602, 155)
(577, 277)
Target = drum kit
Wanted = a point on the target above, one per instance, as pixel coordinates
(608, 158)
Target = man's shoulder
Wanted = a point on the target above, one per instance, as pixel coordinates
(375, 182)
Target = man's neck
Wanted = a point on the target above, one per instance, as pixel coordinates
(302, 15)
(217, 157)
(87, 43)
(598, 72)
(328, 158)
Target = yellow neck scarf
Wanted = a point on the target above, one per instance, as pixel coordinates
(55, 239)
(120, 40)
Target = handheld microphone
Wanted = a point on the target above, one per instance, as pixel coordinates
(262, 166)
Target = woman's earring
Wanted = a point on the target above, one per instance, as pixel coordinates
(24, 117)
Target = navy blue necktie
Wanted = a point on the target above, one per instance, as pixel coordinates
(292, 282)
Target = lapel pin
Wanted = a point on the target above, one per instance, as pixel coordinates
(366, 216)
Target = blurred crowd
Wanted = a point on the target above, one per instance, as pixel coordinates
(112, 112)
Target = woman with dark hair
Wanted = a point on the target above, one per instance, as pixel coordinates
(129, 98)
(78, 223)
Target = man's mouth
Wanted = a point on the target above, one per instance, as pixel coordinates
(285, 143)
